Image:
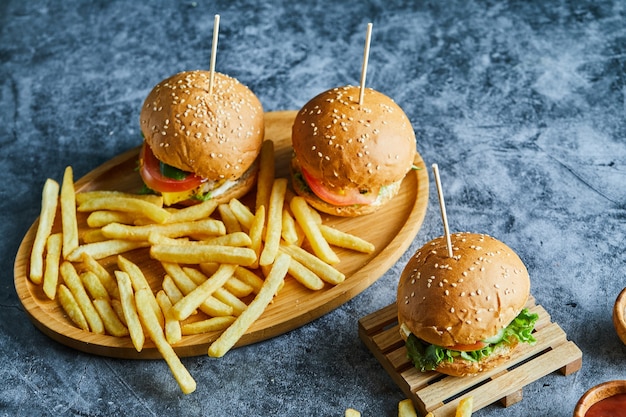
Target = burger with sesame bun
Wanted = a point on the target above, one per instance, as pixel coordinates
(201, 141)
(464, 314)
(350, 158)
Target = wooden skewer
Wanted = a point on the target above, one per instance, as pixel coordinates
(216, 29)
(442, 207)
(366, 54)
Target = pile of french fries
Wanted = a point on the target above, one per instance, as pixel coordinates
(223, 264)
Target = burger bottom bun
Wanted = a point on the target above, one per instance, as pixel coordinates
(343, 211)
(463, 367)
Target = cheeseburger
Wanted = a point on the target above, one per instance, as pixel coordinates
(350, 158)
(200, 141)
(465, 314)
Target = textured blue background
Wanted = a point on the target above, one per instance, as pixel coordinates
(522, 105)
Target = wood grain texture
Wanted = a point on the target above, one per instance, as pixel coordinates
(392, 230)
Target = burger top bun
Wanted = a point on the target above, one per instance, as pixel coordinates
(464, 299)
(348, 145)
(216, 136)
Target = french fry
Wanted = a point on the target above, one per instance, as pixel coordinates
(129, 308)
(51, 270)
(85, 196)
(230, 299)
(289, 232)
(274, 222)
(112, 323)
(173, 333)
(128, 205)
(105, 248)
(197, 254)
(265, 178)
(171, 290)
(234, 332)
(185, 307)
(249, 278)
(406, 408)
(211, 306)
(323, 270)
(69, 223)
(212, 324)
(119, 310)
(237, 287)
(75, 285)
(209, 227)
(256, 234)
(464, 408)
(100, 218)
(71, 307)
(345, 240)
(302, 213)
(94, 286)
(305, 276)
(231, 239)
(242, 213)
(92, 236)
(49, 201)
(139, 282)
(155, 333)
(194, 212)
(107, 280)
(229, 219)
(351, 412)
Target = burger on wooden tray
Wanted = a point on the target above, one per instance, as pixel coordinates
(202, 136)
(350, 156)
(464, 314)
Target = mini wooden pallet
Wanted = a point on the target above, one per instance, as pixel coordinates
(440, 394)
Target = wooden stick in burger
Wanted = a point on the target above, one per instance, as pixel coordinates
(353, 146)
(461, 303)
(203, 132)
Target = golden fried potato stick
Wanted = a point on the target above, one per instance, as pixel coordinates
(257, 227)
(194, 212)
(173, 333)
(211, 306)
(197, 254)
(94, 286)
(105, 248)
(100, 218)
(84, 196)
(265, 179)
(74, 283)
(229, 219)
(107, 280)
(464, 408)
(305, 276)
(351, 412)
(155, 333)
(406, 408)
(139, 282)
(129, 308)
(321, 248)
(250, 278)
(323, 270)
(234, 332)
(71, 308)
(185, 307)
(209, 227)
(112, 323)
(345, 240)
(49, 201)
(242, 212)
(212, 324)
(69, 223)
(274, 222)
(289, 232)
(51, 270)
(137, 206)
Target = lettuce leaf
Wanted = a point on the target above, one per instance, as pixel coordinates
(427, 357)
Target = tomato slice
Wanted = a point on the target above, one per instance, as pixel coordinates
(468, 348)
(150, 171)
(347, 197)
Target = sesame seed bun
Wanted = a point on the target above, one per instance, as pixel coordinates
(464, 299)
(215, 135)
(347, 145)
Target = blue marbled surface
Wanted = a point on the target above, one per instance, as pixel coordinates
(522, 105)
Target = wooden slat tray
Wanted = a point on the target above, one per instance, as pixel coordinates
(440, 394)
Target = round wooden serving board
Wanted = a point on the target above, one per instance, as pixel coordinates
(391, 229)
